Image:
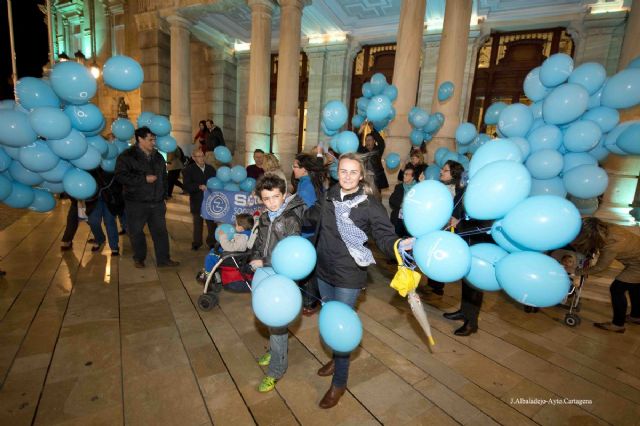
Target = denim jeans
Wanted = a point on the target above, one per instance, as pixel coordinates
(278, 347)
(96, 216)
(329, 292)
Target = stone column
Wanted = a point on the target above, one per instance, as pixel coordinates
(181, 82)
(223, 92)
(153, 41)
(258, 122)
(631, 45)
(243, 152)
(451, 64)
(316, 96)
(406, 75)
(285, 138)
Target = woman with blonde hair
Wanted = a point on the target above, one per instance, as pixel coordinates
(612, 242)
(271, 164)
(344, 216)
(416, 160)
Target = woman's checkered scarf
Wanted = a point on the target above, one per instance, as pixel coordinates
(353, 237)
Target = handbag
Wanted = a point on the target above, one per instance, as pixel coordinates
(406, 279)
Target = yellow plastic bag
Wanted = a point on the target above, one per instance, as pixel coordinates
(405, 279)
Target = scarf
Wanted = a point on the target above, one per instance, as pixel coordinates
(407, 186)
(274, 215)
(353, 237)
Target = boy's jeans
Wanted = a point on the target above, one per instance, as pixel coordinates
(278, 347)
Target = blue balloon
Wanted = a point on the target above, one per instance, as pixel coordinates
(89, 161)
(634, 63)
(393, 160)
(23, 175)
(260, 275)
(380, 125)
(21, 196)
(222, 154)
(420, 119)
(590, 75)
(503, 240)
(361, 105)
(334, 115)
(427, 207)
(50, 122)
(553, 186)
(238, 174)
(495, 189)
(606, 118)
(333, 170)
(37, 157)
(379, 108)
(596, 98)
(144, 119)
(493, 113)
(294, 257)
(224, 174)
(575, 159)
(276, 301)
(378, 83)
(73, 83)
(391, 92)
(556, 69)
(432, 172)
(533, 279)
(5, 160)
(86, 118)
(536, 110)
(533, 87)
(432, 123)
(71, 147)
(466, 133)
(96, 131)
(33, 92)
(228, 229)
(515, 120)
(445, 91)
(449, 156)
(214, 183)
(122, 73)
(5, 187)
(622, 90)
(9, 104)
(611, 138)
(416, 136)
(484, 258)
(547, 136)
(43, 201)
(231, 186)
(564, 104)
(629, 139)
(12, 152)
(600, 152)
(327, 131)
(122, 129)
(439, 155)
(160, 125)
(496, 150)
(357, 120)
(586, 181)
(99, 143)
(340, 327)
(545, 164)
(108, 164)
(542, 222)
(480, 140)
(112, 152)
(167, 143)
(122, 146)
(367, 92)
(523, 144)
(248, 185)
(15, 129)
(347, 142)
(582, 135)
(442, 256)
(53, 187)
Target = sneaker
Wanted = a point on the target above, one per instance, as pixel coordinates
(264, 360)
(633, 320)
(609, 326)
(267, 384)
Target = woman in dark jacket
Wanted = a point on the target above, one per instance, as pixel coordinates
(409, 176)
(372, 152)
(105, 206)
(344, 217)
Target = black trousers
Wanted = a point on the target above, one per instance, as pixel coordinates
(153, 215)
(618, 291)
(72, 222)
(173, 177)
(471, 303)
(197, 231)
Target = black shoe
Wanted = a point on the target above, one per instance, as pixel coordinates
(168, 263)
(138, 264)
(97, 247)
(454, 316)
(438, 291)
(91, 240)
(194, 247)
(123, 232)
(115, 252)
(465, 330)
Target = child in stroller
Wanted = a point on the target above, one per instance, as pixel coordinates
(226, 267)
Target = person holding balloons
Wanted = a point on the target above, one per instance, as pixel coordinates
(395, 200)
(105, 206)
(416, 160)
(195, 177)
(612, 242)
(372, 153)
(282, 218)
(345, 215)
(214, 140)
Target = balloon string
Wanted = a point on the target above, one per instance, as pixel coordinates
(474, 232)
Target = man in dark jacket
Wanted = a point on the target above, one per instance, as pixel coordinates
(372, 152)
(143, 174)
(195, 177)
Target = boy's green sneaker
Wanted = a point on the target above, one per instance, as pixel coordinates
(267, 384)
(264, 360)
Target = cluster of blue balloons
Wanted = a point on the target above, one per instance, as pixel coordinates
(423, 125)
(50, 135)
(161, 127)
(231, 179)
(334, 116)
(376, 103)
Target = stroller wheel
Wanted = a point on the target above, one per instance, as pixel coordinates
(531, 309)
(571, 320)
(207, 301)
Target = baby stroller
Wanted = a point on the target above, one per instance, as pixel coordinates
(571, 318)
(231, 271)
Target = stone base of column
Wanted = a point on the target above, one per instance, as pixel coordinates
(181, 131)
(438, 142)
(257, 136)
(285, 140)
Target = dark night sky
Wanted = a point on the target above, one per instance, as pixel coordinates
(31, 43)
